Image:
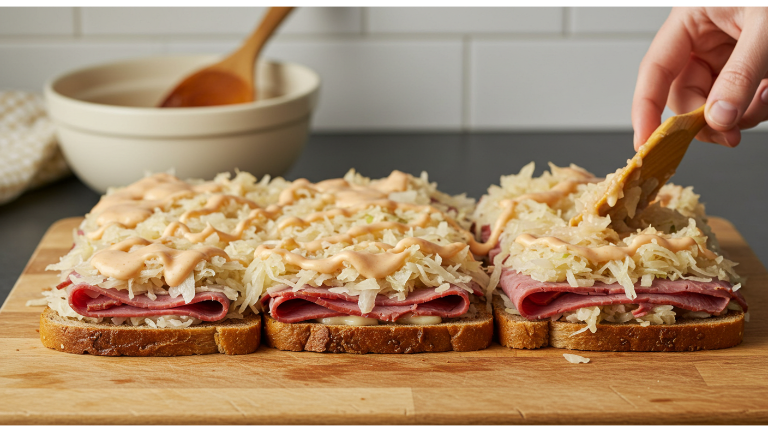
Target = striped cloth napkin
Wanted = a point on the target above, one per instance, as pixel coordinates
(29, 154)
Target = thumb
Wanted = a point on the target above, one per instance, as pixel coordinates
(737, 83)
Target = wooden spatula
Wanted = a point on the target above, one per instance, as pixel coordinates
(230, 81)
(657, 159)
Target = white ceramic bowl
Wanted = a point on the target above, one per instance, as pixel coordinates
(111, 133)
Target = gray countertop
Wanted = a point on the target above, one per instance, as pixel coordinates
(733, 183)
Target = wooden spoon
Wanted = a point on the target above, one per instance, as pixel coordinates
(230, 81)
(657, 159)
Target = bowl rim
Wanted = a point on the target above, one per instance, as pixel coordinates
(49, 90)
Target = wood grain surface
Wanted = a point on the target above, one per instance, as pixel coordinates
(496, 385)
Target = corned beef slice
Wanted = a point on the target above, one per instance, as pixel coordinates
(643, 309)
(537, 300)
(95, 302)
(64, 284)
(312, 303)
(485, 234)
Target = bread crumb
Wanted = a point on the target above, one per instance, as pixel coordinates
(573, 358)
(37, 302)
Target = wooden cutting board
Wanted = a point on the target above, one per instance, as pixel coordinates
(497, 385)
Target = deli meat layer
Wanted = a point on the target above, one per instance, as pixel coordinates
(96, 302)
(289, 306)
(537, 300)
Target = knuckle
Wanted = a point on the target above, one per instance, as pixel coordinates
(748, 123)
(703, 64)
(705, 135)
(650, 102)
(658, 69)
(739, 77)
(692, 89)
(753, 119)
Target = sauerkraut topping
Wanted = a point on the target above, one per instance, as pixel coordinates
(162, 236)
(550, 196)
(592, 316)
(365, 238)
(610, 253)
(667, 239)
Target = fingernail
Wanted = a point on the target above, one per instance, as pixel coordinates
(764, 96)
(723, 113)
(720, 138)
(636, 138)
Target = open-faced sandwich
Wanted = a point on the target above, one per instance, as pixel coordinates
(157, 269)
(168, 267)
(636, 279)
(380, 266)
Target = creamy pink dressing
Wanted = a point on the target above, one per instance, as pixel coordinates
(214, 205)
(370, 265)
(550, 197)
(135, 203)
(610, 253)
(120, 262)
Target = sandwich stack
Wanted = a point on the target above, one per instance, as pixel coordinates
(170, 267)
(647, 279)
(343, 265)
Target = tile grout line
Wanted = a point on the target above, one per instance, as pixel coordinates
(466, 82)
(77, 22)
(365, 21)
(365, 34)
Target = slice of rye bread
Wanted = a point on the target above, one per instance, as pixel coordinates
(724, 331)
(232, 336)
(464, 334)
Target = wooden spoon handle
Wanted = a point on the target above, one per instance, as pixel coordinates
(676, 134)
(242, 60)
(689, 123)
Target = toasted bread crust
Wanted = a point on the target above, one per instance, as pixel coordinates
(514, 331)
(72, 336)
(720, 332)
(460, 335)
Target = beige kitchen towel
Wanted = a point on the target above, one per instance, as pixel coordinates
(29, 153)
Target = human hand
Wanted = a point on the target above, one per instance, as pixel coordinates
(713, 55)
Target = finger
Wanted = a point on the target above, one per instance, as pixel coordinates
(664, 60)
(757, 112)
(646, 117)
(690, 89)
(730, 138)
(737, 83)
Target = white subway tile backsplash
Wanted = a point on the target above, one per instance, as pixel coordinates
(617, 19)
(26, 66)
(382, 85)
(458, 20)
(214, 21)
(204, 47)
(34, 21)
(546, 85)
